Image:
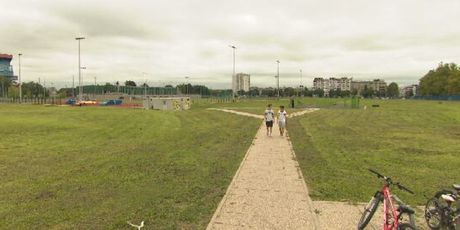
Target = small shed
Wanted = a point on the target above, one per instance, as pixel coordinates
(167, 103)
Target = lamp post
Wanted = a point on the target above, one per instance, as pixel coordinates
(80, 89)
(233, 75)
(186, 85)
(145, 85)
(278, 78)
(19, 79)
(301, 86)
(73, 86)
(95, 87)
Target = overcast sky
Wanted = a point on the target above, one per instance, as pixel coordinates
(162, 41)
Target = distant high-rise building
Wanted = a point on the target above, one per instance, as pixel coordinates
(6, 70)
(241, 82)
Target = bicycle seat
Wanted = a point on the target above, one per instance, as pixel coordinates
(456, 186)
(406, 209)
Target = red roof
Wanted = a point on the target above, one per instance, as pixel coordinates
(7, 56)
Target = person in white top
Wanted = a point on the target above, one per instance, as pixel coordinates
(282, 120)
(269, 116)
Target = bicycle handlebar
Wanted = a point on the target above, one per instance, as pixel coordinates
(400, 186)
(390, 182)
(376, 173)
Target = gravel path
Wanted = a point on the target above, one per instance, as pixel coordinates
(268, 190)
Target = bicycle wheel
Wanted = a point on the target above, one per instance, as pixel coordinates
(406, 226)
(433, 215)
(369, 210)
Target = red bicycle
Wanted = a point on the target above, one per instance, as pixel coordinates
(392, 216)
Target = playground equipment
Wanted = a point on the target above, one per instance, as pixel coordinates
(167, 103)
(355, 102)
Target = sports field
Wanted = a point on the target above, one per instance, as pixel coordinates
(96, 168)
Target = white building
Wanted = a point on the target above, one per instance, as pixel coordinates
(326, 85)
(241, 82)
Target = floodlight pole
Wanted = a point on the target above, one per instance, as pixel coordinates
(233, 75)
(186, 86)
(145, 86)
(19, 79)
(80, 89)
(278, 78)
(300, 86)
(73, 86)
(95, 82)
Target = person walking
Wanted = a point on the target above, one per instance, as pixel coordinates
(282, 120)
(269, 116)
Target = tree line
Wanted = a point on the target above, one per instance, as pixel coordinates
(442, 81)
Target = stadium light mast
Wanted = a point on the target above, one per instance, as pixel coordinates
(300, 86)
(233, 75)
(80, 89)
(278, 77)
(186, 86)
(145, 84)
(19, 79)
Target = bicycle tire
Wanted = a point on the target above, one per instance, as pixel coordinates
(369, 210)
(406, 226)
(431, 211)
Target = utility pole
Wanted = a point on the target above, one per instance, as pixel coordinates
(44, 88)
(233, 75)
(186, 86)
(73, 86)
(19, 79)
(80, 89)
(145, 85)
(95, 87)
(278, 78)
(301, 86)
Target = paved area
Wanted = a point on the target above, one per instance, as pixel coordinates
(239, 113)
(343, 215)
(268, 190)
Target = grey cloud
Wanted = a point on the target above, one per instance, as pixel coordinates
(173, 39)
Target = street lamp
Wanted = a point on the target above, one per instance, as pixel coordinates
(80, 89)
(278, 78)
(19, 79)
(95, 87)
(145, 85)
(233, 76)
(186, 86)
(300, 86)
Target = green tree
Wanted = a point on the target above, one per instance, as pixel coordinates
(318, 92)
(5, 83)
(367, 92)
(130, 83)
(393, 90)
(444, 80)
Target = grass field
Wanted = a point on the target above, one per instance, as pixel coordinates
(96, 168)
(415, 142)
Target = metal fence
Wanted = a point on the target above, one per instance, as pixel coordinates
(439, 98)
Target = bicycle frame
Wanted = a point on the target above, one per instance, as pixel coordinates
(387, 205)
